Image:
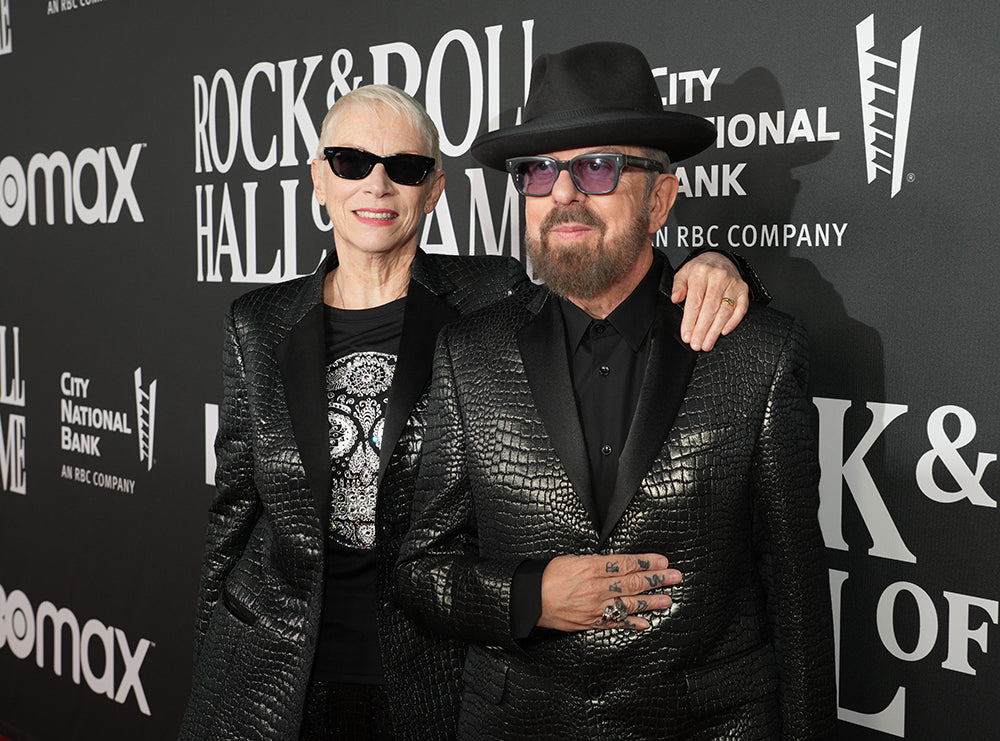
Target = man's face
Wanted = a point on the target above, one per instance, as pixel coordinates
(581, 245)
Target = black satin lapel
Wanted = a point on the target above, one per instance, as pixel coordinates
(663, 386)
(302, 362)
(425, 315)
(542, 342)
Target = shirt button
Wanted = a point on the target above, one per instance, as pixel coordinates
(595, 691)
(599, 328)
(605, 370)
(606, 450)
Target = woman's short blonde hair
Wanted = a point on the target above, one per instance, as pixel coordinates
(377, 99)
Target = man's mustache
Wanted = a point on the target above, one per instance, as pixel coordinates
(576, 213)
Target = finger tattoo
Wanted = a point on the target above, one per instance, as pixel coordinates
(611, 567)
(655, 580)
(641, 605)
(643, 564)
(616, 587)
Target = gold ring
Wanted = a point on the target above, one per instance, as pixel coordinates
(727, 300)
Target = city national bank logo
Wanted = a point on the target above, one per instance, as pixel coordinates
(886, 102)
(89, 191)
(145, 414)
(87, 426)
(6, 46)
(97, 652)
(13, 475)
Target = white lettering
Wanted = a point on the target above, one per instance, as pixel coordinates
(434, 71)
(61, 619)
(211, 430)
(449, 242)
(124, 194)
(682, 85)
(130, 679)
(5, 43)
(380, 54)
(708, 179)
(99, 211)
(221, 239)
(13, 446)
(225, 80)
(771, 127)
(481, 213)
(105, 683)
(960, 631)
(203, 223)
(19, 192)
(79, 442)
(892, 718)
(294, 114)
(17, 623)
(202, 148)
(946, 450)
(13, 189)
(246, 130)
(252, 276)
(13, 436)
(11, 383)
(24, 632)
(70, 385)
(48, 166)
(926, 618)
(835, 471)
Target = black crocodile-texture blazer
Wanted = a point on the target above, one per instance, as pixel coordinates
(719, 473)
(261, 592)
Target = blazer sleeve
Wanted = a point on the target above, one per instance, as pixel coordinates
(443, 581)
(789, 548)
(515, 278)
(758, 291)
(235, 509)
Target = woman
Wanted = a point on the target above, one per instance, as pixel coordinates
(295, 595)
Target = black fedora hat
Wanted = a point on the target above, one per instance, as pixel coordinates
(592, 95)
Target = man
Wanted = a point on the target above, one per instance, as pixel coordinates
(580, 460)
(299, 634)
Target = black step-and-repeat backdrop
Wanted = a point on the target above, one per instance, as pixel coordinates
(154, 165)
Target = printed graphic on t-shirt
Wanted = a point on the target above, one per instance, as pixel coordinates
(357, 395)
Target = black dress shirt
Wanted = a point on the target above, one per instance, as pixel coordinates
(607, 361)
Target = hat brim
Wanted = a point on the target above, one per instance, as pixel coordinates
(680, 135)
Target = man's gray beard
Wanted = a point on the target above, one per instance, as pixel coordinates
(585, 272)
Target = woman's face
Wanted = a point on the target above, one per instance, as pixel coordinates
(375, 216)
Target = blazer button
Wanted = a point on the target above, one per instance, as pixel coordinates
(595, 691)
